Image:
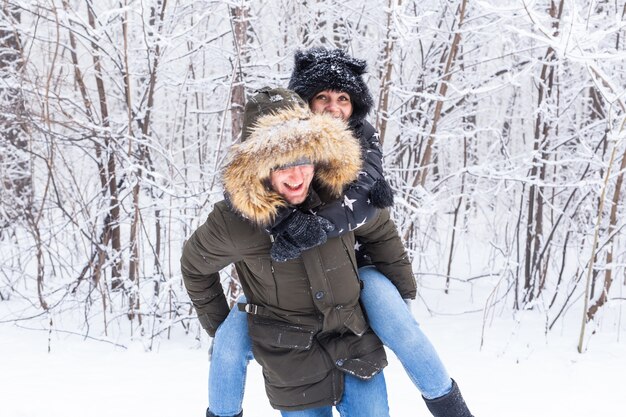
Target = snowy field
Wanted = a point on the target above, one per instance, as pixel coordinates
(519, 372)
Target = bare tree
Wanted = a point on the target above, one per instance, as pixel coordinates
(497, 122)
(543, 125)
(15, 171)
(385, 70)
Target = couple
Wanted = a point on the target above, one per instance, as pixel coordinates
(303, 189)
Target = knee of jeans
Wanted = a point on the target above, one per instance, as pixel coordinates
(375, 283)
(370, 273)
(367, 271)
(232, 344)
(230, 355)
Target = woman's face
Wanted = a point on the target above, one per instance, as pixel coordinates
(335, 103)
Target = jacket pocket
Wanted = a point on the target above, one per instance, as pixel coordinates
(289, 355)
(276, 334)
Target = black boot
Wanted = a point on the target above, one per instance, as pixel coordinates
(210, 414)
(449, 405)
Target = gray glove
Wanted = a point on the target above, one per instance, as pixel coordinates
(299, 232)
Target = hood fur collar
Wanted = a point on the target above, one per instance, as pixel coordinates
(279, 139)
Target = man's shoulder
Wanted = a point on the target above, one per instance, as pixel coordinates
(248, 238)
(222, 206)
(223, 212)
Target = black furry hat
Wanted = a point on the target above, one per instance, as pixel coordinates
(319, 69)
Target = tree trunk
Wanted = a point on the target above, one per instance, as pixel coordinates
(111, 176)
(155, 27)
(420, 178)
(608, 274)
(240, 16)
(384, 73)
(448, 56)
(16, 181)
(534, 220)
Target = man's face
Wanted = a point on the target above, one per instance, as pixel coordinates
(335, 103)
(293, 183)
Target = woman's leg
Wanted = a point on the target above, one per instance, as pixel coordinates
(364, 398)
(229, 361)
(393, 322)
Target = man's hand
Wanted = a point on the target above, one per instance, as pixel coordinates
(300, 231)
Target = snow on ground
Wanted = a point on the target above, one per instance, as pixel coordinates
(519, 372)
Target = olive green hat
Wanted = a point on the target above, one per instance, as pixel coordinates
(268, 101)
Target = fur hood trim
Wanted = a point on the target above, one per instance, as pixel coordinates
(279, 139)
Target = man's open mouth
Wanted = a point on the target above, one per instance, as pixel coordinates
(293, 187)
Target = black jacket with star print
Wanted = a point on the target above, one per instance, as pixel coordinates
(362, 198)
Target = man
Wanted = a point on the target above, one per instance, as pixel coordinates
(305, 322)
(331, 82)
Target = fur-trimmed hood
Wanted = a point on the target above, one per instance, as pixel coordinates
(281, 138)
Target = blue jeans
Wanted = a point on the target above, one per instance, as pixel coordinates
(393, 322)
(232, 350)
(360, 399)
(388, 316)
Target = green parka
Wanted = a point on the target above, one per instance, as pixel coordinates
(306, 324)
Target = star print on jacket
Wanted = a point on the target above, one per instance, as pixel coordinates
(358, 224)
(348, 202)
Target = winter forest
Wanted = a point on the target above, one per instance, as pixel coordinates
(503, 125)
